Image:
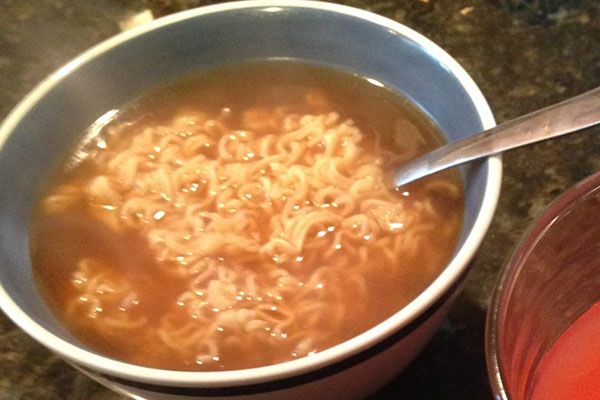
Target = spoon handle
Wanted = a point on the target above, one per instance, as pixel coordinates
(569, 116)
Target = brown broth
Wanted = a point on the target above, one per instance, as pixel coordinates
(59, 240)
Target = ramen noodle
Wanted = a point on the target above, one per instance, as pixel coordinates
(241, 218)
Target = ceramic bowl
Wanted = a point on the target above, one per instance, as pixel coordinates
(552, 278)
(54, 115)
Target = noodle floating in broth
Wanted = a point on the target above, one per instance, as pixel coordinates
(242, 218)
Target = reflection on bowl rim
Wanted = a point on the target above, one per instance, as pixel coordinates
(510, 271)
(428, 297)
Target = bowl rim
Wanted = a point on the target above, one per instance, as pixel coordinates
(511, 269)
(457, 266)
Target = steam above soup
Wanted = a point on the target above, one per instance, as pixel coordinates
(241, 218)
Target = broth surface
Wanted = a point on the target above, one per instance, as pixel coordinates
(240, 218)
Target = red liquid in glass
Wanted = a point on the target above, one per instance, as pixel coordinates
(571, 369)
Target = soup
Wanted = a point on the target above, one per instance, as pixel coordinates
(242, 217)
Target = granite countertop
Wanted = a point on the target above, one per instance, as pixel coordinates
(523, 54)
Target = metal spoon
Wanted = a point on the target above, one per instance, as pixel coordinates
(569, 116)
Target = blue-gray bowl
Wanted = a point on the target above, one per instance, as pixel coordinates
(54, 115)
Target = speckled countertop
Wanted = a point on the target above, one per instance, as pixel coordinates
(523, 54)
